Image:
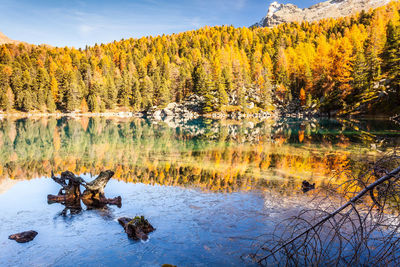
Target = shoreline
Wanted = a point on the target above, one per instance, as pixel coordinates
(129, 114)
(22, 115)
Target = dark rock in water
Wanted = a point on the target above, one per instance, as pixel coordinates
(24, 237)
(168, 265)
(306, 186)
(137, 228)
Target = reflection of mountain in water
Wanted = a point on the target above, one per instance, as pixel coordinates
(205, 154)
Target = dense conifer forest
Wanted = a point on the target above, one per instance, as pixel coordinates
(349, 65)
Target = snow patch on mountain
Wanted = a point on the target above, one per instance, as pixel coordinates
(282, 13)
(274, 7)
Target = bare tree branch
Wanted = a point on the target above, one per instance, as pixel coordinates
(356, 231)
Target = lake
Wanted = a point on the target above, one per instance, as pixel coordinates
(211, 189)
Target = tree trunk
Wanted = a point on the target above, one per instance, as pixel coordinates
(93, 196)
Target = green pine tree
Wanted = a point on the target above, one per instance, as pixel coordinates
(50, 103)
(137, 97)
(222, 95)
(391, 55)
(165, 95)
(199, 80)
(93, 103)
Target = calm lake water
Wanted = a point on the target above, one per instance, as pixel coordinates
(210, 189)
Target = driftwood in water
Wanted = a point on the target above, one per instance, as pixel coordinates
(23, 237)
(70, 190)
(93, 196)
(137, 228)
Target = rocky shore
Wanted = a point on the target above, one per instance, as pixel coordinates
(396, 118)
(296, 111)
(190, 109)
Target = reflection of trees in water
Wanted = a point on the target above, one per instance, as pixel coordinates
(225, 157)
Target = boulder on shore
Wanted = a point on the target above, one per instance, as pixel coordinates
(23, 237)
(188, 109)
(396, 118)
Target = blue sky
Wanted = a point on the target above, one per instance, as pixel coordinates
(86, 22)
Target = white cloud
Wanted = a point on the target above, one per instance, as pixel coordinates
(240, 4)
(85, 29)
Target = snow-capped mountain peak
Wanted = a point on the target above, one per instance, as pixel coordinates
(281, 13)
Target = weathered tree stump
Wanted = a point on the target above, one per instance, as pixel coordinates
(70, 190)
(93, 196)
(23, 237)
(137, 228)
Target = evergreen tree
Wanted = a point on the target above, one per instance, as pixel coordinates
(199, 80)
(112, 94)
(5, 101)
(165, 96)
(125, 92)
(371, 61)
(137, 97)
(147, 92)
(266, 93)
(26, 101)
(222, 95)
(391, 54)
(50, 103)
(93, 103)
(360, 74)
(209, 95)
(227, 80)
(54, 88)
(72, 94)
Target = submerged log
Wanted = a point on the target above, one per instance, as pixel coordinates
(137, 228)
(23, 237)
(93, 196)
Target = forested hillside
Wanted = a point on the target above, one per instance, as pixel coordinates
(349, 64)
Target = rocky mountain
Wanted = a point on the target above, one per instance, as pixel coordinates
(281, 13)
(5, 40)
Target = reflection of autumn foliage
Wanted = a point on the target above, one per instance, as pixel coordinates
(141, 152)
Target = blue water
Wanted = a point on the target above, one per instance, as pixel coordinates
(193, 228)
(211, 190)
